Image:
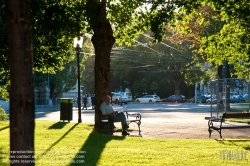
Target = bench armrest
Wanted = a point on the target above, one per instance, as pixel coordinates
(216, 120)
(136, 115)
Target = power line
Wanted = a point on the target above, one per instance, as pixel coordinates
(163, 43)
(146, 45)
(128, 59)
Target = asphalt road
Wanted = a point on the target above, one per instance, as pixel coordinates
(148, 110)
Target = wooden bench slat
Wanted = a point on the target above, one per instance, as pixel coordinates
(234, 127)
(236, 115)
(229, 127)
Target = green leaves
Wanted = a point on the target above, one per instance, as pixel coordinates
(55, 25)
(228, 45)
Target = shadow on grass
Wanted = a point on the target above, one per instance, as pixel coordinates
(234, 142)
(4, 128)
(93, 148)
(231, 141)
(91, 125)
(54, 144)
(58, 125)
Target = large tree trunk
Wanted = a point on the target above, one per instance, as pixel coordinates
(22, 81)
(176, 78)
(177, 85)
(103, 41)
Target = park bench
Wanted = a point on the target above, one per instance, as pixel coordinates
(105, 123)
(223, 125)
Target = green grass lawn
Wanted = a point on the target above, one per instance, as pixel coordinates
(241, 110)
(62, 144)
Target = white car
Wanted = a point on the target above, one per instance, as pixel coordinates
(128, 95)
(149, 98)
(116, 98)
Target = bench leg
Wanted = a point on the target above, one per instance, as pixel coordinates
(210, 131)
(219, 131)
(138, 124)
(220, 134)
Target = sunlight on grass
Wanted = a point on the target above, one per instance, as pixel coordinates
(62, 143)
(242, 110)
(239, 120)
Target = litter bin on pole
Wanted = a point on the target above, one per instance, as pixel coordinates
(66, 109)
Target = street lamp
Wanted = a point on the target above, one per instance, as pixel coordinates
(78, 46)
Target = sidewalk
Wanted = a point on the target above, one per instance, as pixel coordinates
(53, 113)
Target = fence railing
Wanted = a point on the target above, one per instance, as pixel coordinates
(225, 93)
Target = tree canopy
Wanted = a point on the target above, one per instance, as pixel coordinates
(206, 24)
(46, 28)
(55, 23)
(231, 42)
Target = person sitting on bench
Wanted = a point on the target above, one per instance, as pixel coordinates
(108, 110)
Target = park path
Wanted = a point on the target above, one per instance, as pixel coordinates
(156, 125)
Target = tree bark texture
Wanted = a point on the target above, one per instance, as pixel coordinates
(103, 41)
(176, 78)
(22, 103)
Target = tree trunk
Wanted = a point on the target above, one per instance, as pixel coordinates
(22, 82)
(177, 84)
(176, 79)
(103, 41)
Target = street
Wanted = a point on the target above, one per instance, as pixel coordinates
(53, 113)
(147, 110)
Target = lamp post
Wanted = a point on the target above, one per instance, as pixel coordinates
(78, 46)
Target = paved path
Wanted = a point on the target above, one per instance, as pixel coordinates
(159, 124)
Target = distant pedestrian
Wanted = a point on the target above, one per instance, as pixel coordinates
(93, 101)
(85, 99)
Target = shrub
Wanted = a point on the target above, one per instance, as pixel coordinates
(3, 115)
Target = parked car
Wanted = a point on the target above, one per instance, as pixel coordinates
(203, 99)
(214, 101)
(116, 98)
(245, 98)
(148, 98)
(128, 95)
(174, 99)
(184, 98)
(235, 99)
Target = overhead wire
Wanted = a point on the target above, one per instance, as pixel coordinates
(163, 43)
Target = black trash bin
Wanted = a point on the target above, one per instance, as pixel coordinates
(66, 109)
